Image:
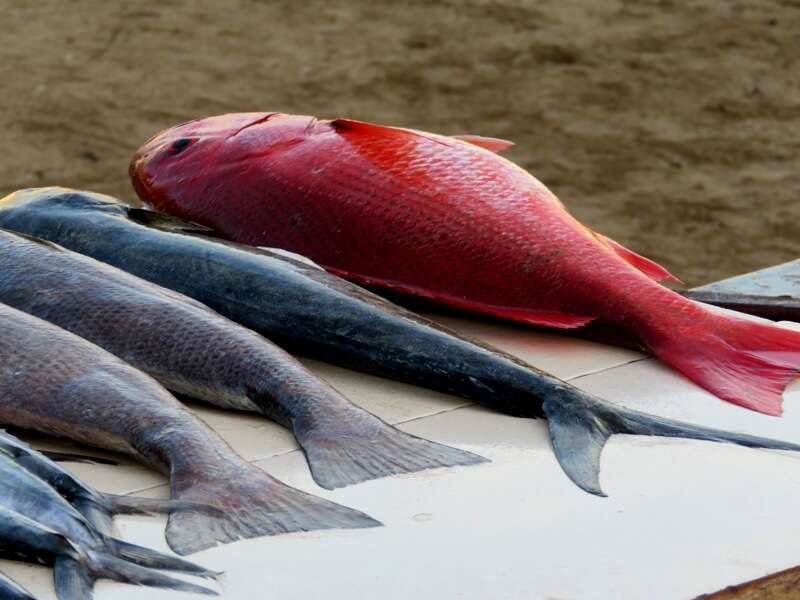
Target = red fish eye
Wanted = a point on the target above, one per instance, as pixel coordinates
(178, 145)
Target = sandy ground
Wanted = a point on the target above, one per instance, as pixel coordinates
(672, 126)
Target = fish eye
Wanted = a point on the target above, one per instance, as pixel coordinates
(179, 145)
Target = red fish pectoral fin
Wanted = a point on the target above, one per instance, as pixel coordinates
(488, 143)
(650, 268)
(544, 318)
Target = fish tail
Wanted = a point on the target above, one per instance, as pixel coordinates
(105, 566)
(72, 579)
(580, 426)
(741, 360)
(100, 508)
(359, 446)
(252, 504)
(146, 557)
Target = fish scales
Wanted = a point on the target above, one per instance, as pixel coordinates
(449, 221)
(196, 352)
(317, 314)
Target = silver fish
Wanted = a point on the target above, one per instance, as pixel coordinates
(195, 352)
(76, 567)
(55, 382)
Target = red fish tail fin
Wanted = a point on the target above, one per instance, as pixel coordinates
(742, 361)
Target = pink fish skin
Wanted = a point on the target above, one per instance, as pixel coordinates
(451, 221)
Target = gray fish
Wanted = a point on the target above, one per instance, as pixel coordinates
(11, 590)
(76, 568)
(98, 507)
(25, 493)
(195, 352)
(310, 312)
(55, 382)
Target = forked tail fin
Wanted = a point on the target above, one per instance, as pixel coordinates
(740, 360)
(580, 426)
(355, 447)
(252, 504)
(74, 576)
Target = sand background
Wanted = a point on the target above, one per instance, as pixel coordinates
(671, 126)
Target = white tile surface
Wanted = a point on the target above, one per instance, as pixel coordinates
(682, 518)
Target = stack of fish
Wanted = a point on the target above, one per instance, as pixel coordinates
(106, 307)
(49, 516)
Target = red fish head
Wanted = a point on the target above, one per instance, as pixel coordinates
(182, 154)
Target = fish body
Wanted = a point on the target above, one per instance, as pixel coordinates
(318, 314)
(57, 383)
(196, 352)
(450, 221)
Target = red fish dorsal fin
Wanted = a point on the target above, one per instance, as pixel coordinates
(488, 143)
(368, 128)
(650, 268)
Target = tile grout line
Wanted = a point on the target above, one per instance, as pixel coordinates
(417, 418)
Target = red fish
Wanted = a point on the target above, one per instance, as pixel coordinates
(449, 220)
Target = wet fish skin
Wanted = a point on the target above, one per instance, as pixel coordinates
(449, 221)
(97, 507)
(26, 494)
(195, 352)
(322, 316)
(76, 567)
(85, 394)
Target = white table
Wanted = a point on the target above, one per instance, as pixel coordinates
(682, 517)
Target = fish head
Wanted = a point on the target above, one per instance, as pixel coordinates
(188, 153)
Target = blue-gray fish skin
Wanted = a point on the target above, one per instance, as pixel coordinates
(310, 312)
(57, 383)
(76, 566)
(195, 352)
(11, 590)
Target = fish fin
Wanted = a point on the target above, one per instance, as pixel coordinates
(253, 504)
(553, 319)
(136, 505)
(105, 566)
(153, 559)
(649, 267)
(165, 222)
(97, 514)
(743, 361)
(487, 143)
(580, 426)
(362, 447)
(78, 458)
(72, 579)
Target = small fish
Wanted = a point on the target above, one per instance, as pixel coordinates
(195, 352)
(24, 493)
(76, 568)
(57, 383)
(98, 507)
(450, 221)
(316, 314)
(10, 590)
